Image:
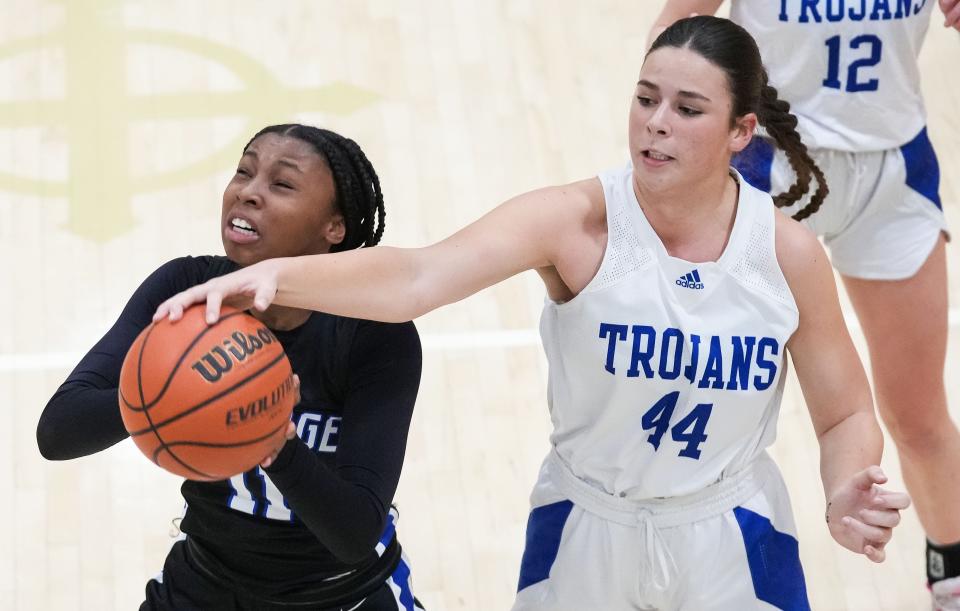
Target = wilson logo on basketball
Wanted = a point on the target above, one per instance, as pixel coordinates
(236, 349)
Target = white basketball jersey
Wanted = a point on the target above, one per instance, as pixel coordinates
(847, 67)
(666, 375)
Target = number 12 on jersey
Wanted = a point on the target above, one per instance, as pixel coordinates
(873, 47)
(689, 430)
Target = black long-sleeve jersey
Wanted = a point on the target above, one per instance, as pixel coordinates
(320, 510)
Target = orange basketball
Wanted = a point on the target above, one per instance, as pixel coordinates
(206, 401)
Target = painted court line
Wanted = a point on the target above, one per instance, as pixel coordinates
(503, 338)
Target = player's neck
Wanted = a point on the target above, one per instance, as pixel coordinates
(693, 222)
(282, 318)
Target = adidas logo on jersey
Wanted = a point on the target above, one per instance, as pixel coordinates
(690, 281)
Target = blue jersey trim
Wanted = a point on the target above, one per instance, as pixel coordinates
(401, 577)
(389, 530)
(774, 560)
(544, 528)
(923, 171)
(754, 163)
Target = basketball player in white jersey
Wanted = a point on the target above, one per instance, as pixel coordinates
(849, 70)
(674, 291)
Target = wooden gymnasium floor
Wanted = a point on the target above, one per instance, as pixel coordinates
(119, 125)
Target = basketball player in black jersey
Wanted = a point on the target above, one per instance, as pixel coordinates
(312, 527)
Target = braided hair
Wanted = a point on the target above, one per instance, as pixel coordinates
(358, 196)
(733, 50)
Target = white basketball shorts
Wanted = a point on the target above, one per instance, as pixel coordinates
(729, 547)
(883, 215)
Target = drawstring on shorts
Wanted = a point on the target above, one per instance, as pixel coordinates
(658, 567)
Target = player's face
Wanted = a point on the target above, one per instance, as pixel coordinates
(279, 203)
(680, 130)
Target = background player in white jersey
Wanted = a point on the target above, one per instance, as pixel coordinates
(665, 327)
(849, 70)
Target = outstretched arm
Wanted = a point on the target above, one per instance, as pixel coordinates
(860, 514)
(399, 284)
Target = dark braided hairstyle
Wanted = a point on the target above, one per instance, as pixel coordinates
(358, 196)
(733, 50)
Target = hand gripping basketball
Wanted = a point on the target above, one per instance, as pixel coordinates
(207, 401)
(291, 428)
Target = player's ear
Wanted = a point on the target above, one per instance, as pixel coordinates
(336, 229)
(742, 132)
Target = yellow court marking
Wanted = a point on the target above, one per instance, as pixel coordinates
(97, 112)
